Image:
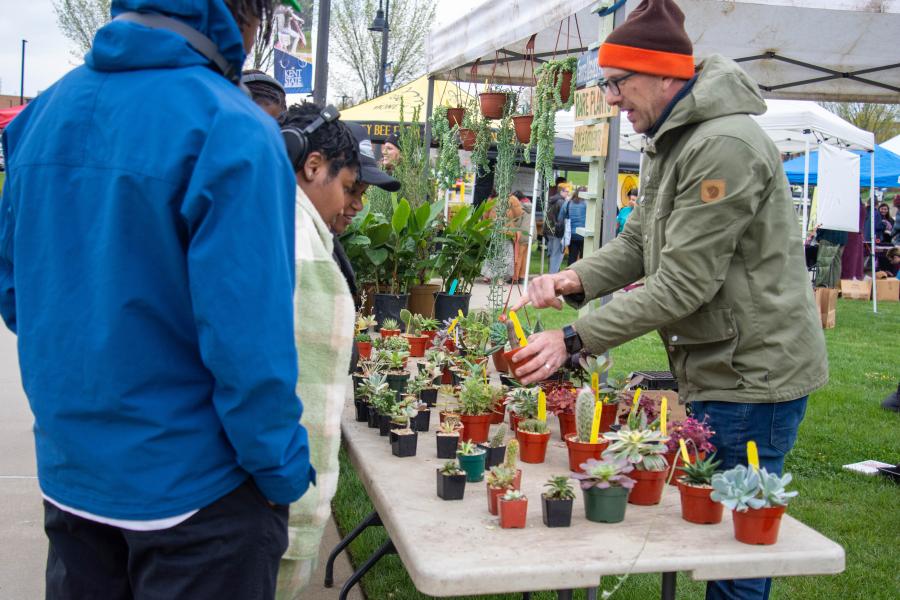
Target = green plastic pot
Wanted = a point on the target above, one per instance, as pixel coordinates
(473, 465)
(605, 505)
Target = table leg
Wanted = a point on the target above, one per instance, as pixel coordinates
(564, 594)
(386, 548)
(592, 593)
(668, 586)
(526, 595)
(372, 520)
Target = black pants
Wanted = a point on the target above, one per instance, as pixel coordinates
(576, 250)
(229, 549)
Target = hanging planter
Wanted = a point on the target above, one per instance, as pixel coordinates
(565, 88)
(522, 125)
(493, 104)
(467, 139)
(455, 116)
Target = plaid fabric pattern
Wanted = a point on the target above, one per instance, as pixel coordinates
(323, 329)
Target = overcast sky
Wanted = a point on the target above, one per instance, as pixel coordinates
(47, 53)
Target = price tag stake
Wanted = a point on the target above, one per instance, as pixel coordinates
(752, 455)
(595, 424)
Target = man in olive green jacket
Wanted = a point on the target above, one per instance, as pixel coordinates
(714, 236)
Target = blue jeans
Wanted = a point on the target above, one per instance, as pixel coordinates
(773, 426)
(556, 253)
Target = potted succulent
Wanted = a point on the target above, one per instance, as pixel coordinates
(448, 438)
(695, 487)
(522, 405)
(556, 502)
(495, 448)
(382, 405)
(696, 435)
(609, 392)
(513, 507)
(561, 402)
(475, 398)
(533, 436)
(389, 327)
(579, 443)
(644, 448)
(423, 384)
(499, 479)
(430, 328)
(757, 500)
(471, 460)
(451, 481)
(363, 344)
(372, 386)
(413, 333)
(422, 417)
(403, 438)
(605, 487)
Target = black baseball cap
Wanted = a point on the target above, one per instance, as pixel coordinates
(368, 167)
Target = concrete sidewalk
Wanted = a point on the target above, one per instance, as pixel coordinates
(23, 546)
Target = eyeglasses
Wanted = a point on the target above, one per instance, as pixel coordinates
(612, 83)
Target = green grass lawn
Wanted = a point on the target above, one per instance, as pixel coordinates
(843, 424)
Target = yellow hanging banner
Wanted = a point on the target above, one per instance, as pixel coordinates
(752, 455)
(595, 424)
(542, 406)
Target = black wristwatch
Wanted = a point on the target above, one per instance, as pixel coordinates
(572, 340)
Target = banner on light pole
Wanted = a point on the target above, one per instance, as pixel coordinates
(294, 47)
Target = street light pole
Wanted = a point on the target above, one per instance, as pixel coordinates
(22, 78)
(380, 23)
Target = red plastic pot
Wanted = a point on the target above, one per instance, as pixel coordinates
(365, 350)
(674, 460)
(757, 526)
(566, 89)
(430, 334)
(522, 125)
(514, 421)
(455, 116)
(532, 446)
(493, 494)
(608, 417)
(649, 487)
(492, 104)
(386, 333)
(507, 356)
(496, 416)
(579, 452)
(566, 424)
(512, 513)
(500, 361)
(467, 139)
(475, 427)
(417, 345)
(446, 377)
(696, 506)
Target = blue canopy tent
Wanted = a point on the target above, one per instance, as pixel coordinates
(887, 168)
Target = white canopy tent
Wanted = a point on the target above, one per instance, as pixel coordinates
(892, 144)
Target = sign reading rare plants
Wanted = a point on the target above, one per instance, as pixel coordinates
(591, 140)
(590, 103)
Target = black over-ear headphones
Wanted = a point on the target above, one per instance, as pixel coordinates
(297, 140)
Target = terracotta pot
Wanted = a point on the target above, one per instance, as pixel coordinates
(421, 299)
(493, 103)
(455, 116)
(467, 139)
(507, 356)
(758, 526)
(696, 507)
(365, 350)
(512, 513)
(649, 487)
(497, 417)
(579, 452)
(476, 427)
(674, 461)
(566, 89)
(566, 424)
(522, 124)
(533, 446)
(493, 494)
(514, 422)
(417, 345)
(500, 363)
(386, 333)
(608, 417)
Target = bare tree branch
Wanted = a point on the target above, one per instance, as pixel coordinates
(881, 119)
(79, 21)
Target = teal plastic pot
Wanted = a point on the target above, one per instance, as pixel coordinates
(605, 506)
(473, 465)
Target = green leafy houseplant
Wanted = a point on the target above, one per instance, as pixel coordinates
(464, 245)
(413, 171)
(643, 447)
(547, 100)
(743, 488)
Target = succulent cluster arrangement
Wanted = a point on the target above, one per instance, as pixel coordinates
(743, 488)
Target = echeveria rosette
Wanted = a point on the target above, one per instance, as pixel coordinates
(603, 474)
(743, 488)
(644, 448)
(694, 433)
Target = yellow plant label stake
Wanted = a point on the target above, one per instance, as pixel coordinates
(595, 385)
(637, 398)
(752, 455)
(684, 452)
(595, 424)
(663, 408)
(542, 406)
(520, 333)
(452, 325)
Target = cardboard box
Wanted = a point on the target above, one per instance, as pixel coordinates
(887, 290)
(856, 289)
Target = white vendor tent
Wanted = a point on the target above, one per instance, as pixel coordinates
(892, 144)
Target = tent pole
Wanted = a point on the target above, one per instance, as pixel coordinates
(805, 222)
(537, 185)
(429, 106)
(872, 219)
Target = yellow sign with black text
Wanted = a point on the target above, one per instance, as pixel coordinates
(590, 103)
(591, 140)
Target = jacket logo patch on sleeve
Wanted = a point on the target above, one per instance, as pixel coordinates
(712, 190)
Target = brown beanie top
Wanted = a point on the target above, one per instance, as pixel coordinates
(652, 40)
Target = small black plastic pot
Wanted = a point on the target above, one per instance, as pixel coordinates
(403, 444)
(506, 380)
(388, 306)
(556, 513)
(357, 379)
(447, 445)
(450, 487)
(448, 307)
(493, 456)
(373, 418)
(429, 396)
(422, 420)
(362, 411)
(397, 382)
(384, 424)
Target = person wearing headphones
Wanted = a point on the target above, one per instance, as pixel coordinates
(154, 310)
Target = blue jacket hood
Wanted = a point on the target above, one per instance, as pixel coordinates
(120, 46)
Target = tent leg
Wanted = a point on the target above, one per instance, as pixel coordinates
(429, 105)
(804, 227)
(872, 219)
(537, 182)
